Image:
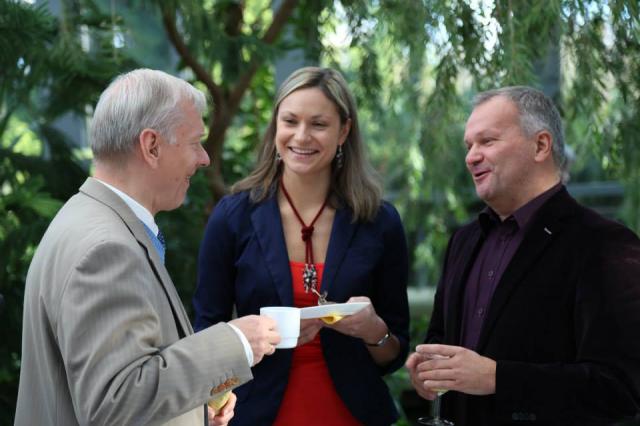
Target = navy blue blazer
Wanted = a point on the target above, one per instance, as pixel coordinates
(244, 262)
(563, 324)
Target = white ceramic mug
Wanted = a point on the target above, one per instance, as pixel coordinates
(287, 323)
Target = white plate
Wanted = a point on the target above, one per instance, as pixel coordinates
(342, 309)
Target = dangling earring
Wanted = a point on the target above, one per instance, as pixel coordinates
(339, 157)
(278, 158)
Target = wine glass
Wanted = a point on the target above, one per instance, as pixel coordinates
(435, 420)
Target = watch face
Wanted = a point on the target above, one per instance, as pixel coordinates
(381, 341)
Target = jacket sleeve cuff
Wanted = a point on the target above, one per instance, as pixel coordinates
(245, 343)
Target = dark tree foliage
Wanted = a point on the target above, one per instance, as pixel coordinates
(46, 73)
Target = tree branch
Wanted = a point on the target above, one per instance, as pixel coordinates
(279, 20)
(169, 21)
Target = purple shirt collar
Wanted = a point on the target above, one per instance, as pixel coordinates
(489, 218)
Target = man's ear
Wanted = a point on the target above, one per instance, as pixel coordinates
(544, 145)
(149, 144)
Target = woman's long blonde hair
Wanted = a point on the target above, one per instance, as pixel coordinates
(355, 184)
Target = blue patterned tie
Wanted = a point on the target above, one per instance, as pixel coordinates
(157, 240)
(161, 239)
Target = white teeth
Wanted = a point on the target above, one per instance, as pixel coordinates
(302, 151)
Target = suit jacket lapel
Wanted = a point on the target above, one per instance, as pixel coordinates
(342, 233)
(546, 225)
(267, 224)
(104, 195)
(460, 271)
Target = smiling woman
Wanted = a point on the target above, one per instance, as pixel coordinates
(308, 134)
(293, 233)
(353, 180)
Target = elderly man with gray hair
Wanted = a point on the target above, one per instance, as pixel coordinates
(536, 317)
(106, 340)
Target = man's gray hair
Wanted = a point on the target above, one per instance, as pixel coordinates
(137, 100)
(537, 112)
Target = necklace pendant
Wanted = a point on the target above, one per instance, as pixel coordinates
(310, 277)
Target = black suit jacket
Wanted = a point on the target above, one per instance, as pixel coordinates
(563, 324)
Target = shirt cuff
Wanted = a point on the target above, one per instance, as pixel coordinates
(247, 347)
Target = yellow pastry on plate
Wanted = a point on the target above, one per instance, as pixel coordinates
(220, 401)
(332, 318)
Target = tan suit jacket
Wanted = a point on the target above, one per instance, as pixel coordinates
(101, 327)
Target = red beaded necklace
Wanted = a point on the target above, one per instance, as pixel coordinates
(309, 275)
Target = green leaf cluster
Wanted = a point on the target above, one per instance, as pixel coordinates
(50, 70)
(415, 66)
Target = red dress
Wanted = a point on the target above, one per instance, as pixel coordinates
(310, 398)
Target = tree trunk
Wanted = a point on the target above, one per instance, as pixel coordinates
(214, 146)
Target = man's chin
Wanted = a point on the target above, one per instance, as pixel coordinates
(484, 194)
(172, 206)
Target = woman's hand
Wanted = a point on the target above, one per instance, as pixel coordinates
(364, 324)
(308, 330)
(225, 414)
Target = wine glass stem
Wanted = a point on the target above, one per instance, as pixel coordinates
(436, 407)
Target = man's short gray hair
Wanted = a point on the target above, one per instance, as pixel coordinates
(537, 112)
(137, 100)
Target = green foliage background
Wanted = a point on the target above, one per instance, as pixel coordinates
(413, 66)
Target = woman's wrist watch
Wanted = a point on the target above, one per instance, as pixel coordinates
(382, 341)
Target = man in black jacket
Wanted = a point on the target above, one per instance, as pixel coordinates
(536, 318)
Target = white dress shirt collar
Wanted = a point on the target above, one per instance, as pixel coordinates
(138, 209)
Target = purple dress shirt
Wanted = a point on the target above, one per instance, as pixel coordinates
(501, 241)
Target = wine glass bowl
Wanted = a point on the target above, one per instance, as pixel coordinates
(435, 420)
